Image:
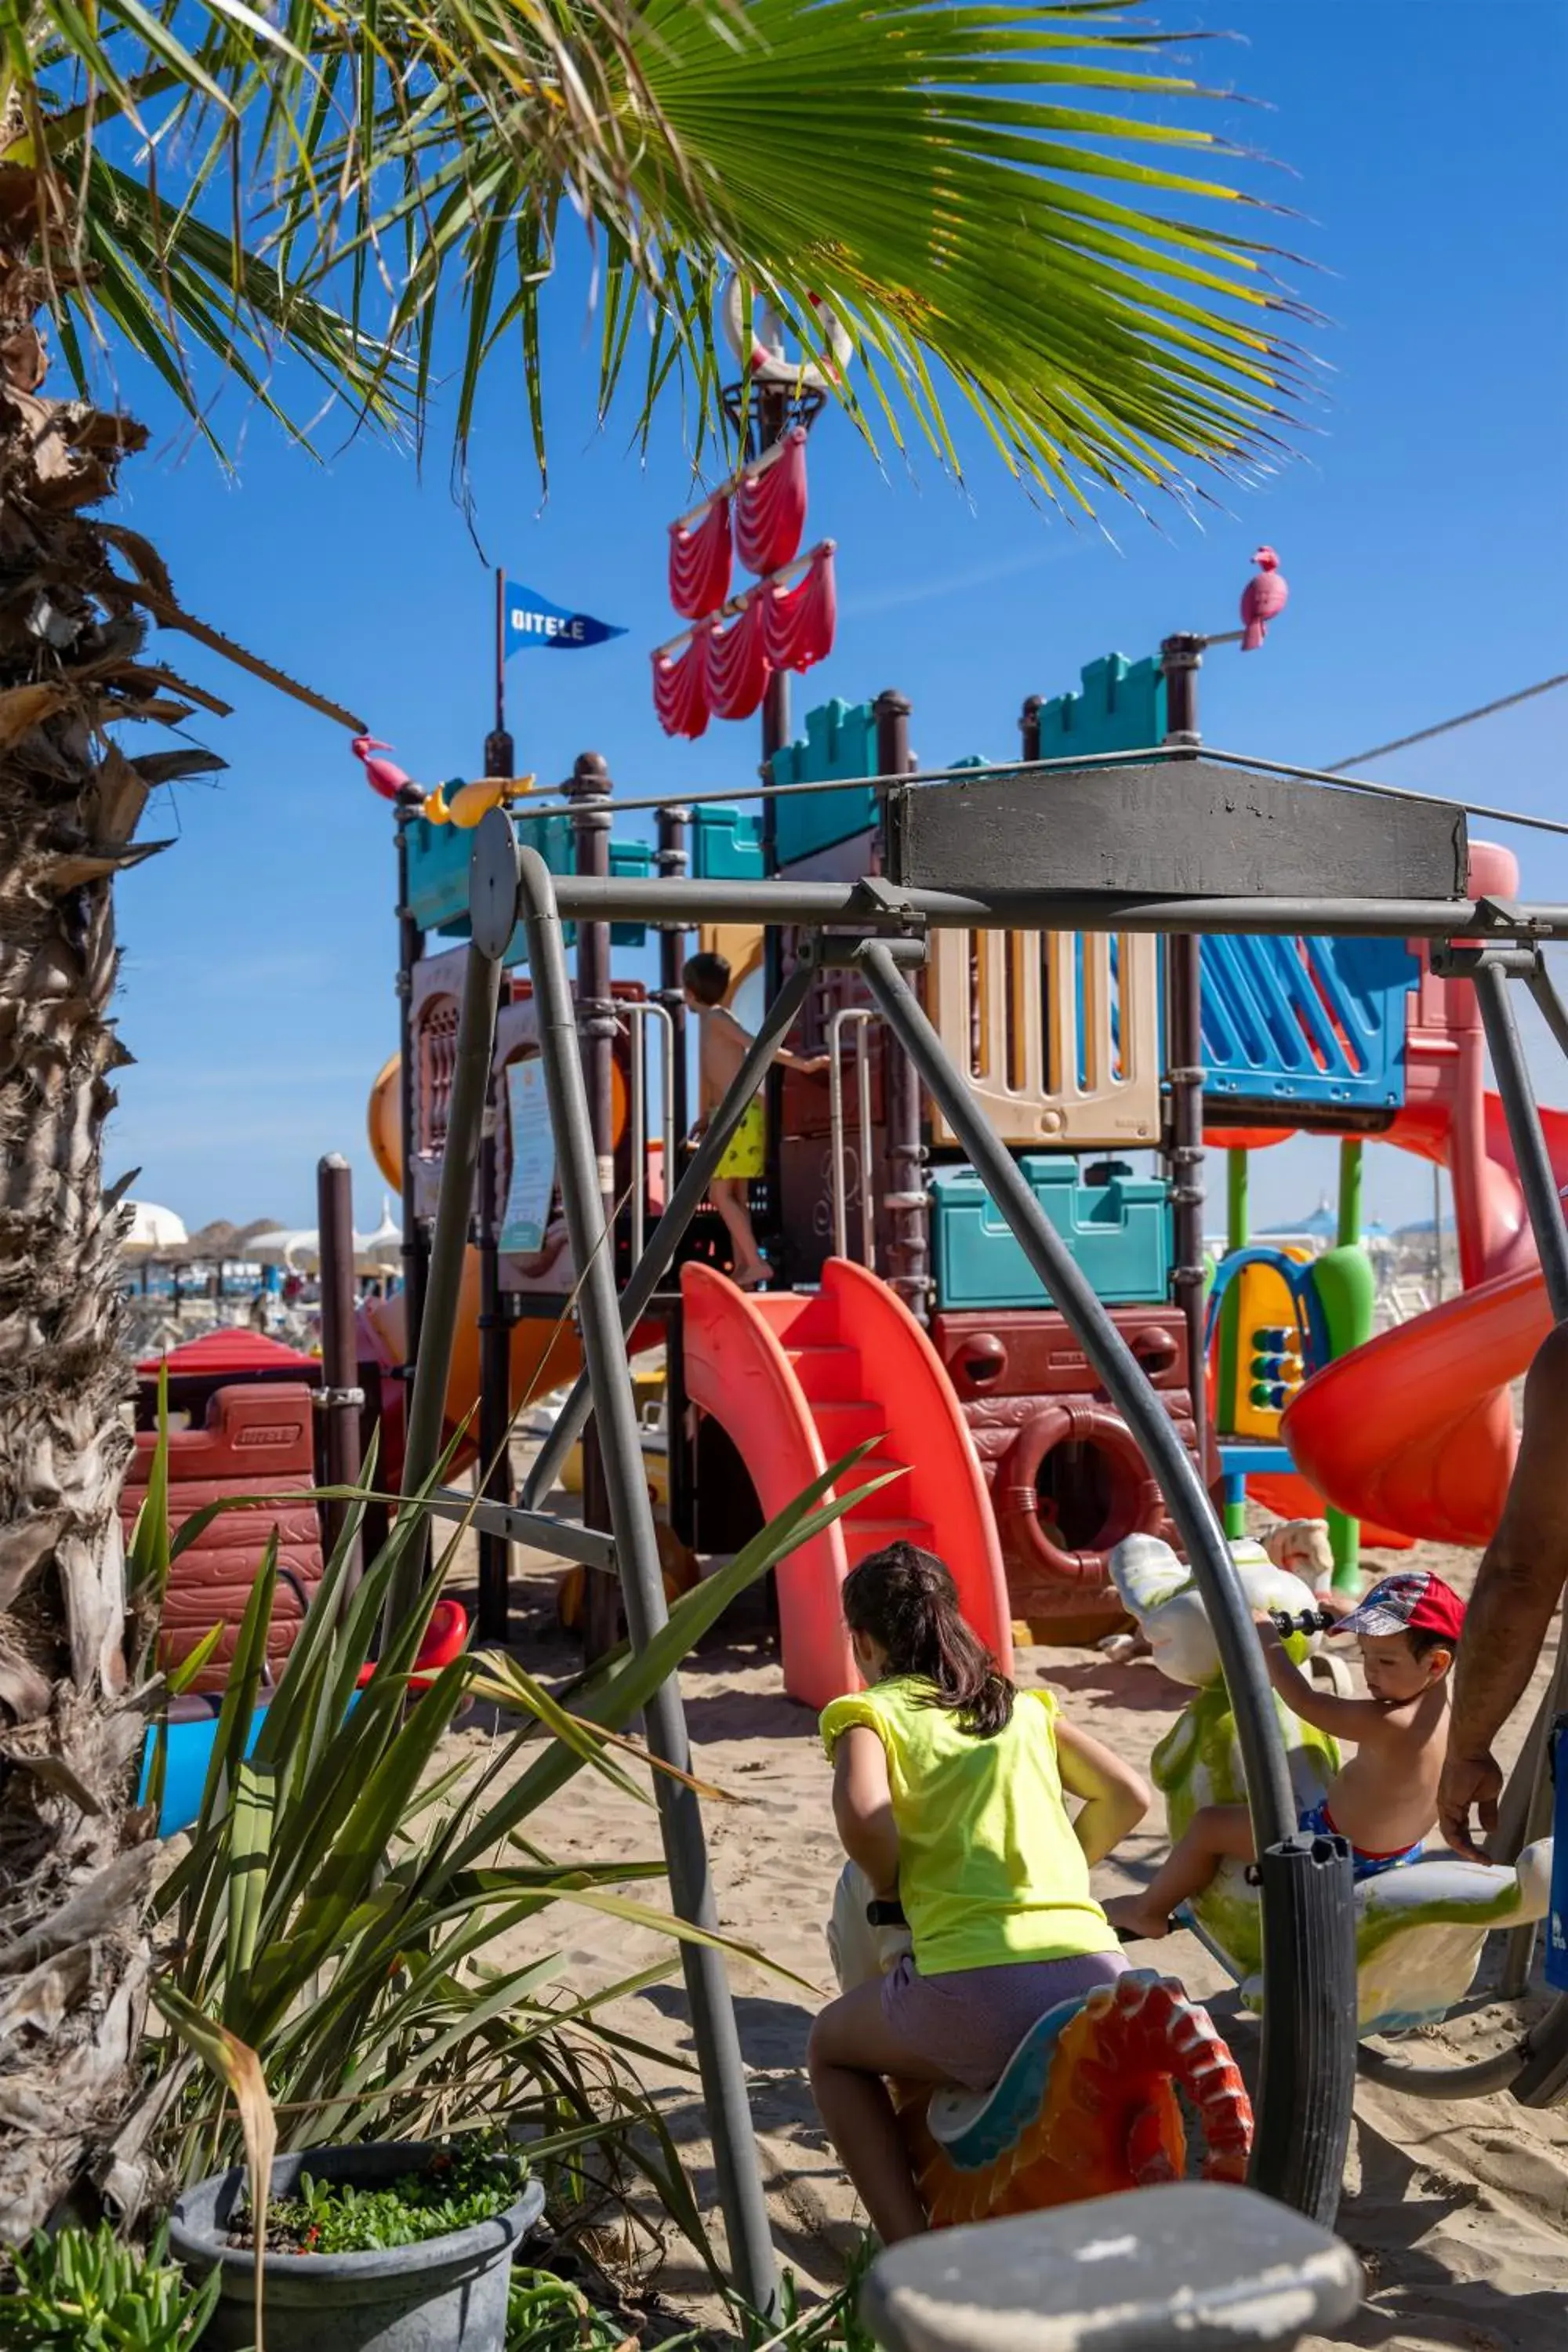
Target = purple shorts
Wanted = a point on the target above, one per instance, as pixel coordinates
(970, 2024)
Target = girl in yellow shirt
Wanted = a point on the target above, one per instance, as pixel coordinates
(948, 1792)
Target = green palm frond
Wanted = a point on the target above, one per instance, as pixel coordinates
(1017, 211)
(984, 195)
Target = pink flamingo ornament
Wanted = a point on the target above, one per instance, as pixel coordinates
(383, 776)
(1262, 600)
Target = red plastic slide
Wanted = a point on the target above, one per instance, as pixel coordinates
(796, 1380)
(1417, 1428)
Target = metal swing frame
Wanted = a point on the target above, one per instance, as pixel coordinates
(1308, 2049)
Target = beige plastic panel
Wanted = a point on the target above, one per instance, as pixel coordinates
(1007, 1006)
(740, 944)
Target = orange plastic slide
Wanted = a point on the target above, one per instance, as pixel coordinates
(544, 1354)
(796, 1380)
(1417, 1428)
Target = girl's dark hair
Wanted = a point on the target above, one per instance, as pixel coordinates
(906, 1599)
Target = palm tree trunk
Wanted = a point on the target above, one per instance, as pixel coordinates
(76, 1855)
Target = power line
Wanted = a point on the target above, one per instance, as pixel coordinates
(1464, 719)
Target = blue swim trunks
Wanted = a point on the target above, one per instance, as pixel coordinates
(1320, 1822)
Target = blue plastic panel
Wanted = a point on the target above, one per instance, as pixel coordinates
(1121, 709)
(840, 740)
(726, 847)
(438, 858)
(1119, 1231)
(1317, 1021)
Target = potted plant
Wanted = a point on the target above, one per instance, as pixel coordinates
(406, 2246)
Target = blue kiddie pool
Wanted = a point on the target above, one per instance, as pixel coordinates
(192, 1724)
(191, 1729)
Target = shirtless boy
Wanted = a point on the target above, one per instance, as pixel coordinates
(705, 981)
(1385, 1800)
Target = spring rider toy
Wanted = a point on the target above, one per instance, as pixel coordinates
(1088, 2104)
(1419, 1930)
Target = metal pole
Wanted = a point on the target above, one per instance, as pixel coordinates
(342, 1399)
(1527, 1801)
(671, 860)
(909, 1216)
(501, 757)
(410, 951)
(495, 1395)
(861, 1017)
(1549, 1004)
(1029, 726)
(589, 791)
(687, 1196)
(890, 905)
(1308, 2060)
(454, 1210)
(642, 1585)
(1180, 658)
(1532, 1158)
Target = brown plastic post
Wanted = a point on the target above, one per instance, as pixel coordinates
(909, 1256)
(342, 1399)
(1180, 658)
(773, 414)
(589, 790)
(410, 949)
(672, 860)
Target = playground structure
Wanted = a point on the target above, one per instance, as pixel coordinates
(1069, 1044)
(1207, 846)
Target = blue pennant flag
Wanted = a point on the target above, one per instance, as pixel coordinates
(534, 624)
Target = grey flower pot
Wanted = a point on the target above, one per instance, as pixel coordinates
(445, 2295)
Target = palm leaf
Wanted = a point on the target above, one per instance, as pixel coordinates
(1019, 212)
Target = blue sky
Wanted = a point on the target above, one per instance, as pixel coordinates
(1421, 530)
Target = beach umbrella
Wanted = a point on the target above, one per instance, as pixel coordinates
(381, 1252)
(152, 1230)
(280, 1245)
(1321, 1226)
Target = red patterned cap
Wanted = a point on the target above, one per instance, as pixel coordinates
(1412, 1600)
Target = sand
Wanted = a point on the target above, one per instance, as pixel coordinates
(1459, 2211)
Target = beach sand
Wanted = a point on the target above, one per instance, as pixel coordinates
(1459, 2211)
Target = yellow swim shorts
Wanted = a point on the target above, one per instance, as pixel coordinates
(745, 1153)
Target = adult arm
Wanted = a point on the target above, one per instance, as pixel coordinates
(1517, 1584)
(1115, 1796)
(863, 1808)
